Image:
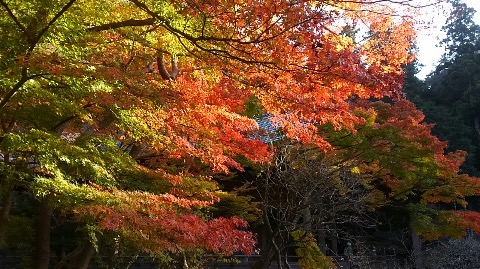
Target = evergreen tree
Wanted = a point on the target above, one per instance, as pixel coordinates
(462, 32)
(451, 94)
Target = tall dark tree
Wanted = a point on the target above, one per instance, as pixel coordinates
(462, 32)
(450, 96)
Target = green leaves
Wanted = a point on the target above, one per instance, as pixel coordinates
(432, 224)
(80, 160)
(406, 166)
(311, 257)
(88, 117)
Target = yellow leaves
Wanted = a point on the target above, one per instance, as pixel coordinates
(290, 56)
(388, 45)
(355, 170)
(310, 254)
(338, 43)
(344, 5)
(376, 199)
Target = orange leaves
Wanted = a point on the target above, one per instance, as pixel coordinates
(294, 57)
(469, 219)
(452, 188)
(409, 165)
(408, 122)
(398, 149)
(435, 224)
(153, 223)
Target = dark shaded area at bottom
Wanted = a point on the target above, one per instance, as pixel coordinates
(239, 262)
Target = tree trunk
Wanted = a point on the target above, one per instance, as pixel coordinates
(267, 249)
(5, 212)
(278, 253)
(417, 251)
(334, 241)
(477, 126)
(285, 260)
(266, 256)
(83, 258)
(322, 240)
(307, 219)
(41, 245)
(185, 263)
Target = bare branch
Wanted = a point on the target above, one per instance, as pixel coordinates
(163, 70)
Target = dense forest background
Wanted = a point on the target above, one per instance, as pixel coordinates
(449, 98)
(449, 95)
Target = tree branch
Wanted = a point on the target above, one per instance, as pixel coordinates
(58, 128)
(24, 78)
(163, 70)
(196, 40)
(33, 43)
(120, 24)
(15, 19)
(50, 23)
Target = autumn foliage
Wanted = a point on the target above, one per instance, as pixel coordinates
(396, 151)
(137, 103)
(156, 227)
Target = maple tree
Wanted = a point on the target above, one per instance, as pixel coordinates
(407, 168)
(390, 162)
(397, 150)
(116, 111)
(449, 95)
(309, 252)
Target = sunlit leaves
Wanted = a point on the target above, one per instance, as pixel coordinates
(408, 166)
(310, 254)
(152, 223)
(83, 160)
(85, 106)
